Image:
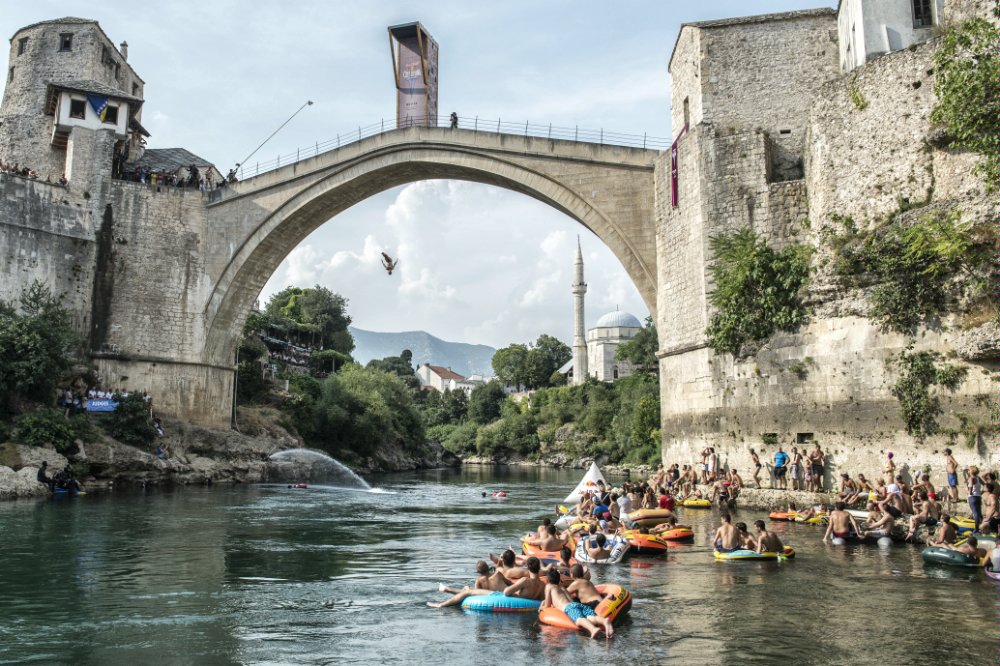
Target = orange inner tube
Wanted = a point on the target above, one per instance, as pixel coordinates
(678, 534)
(617, 601)
(647, 543)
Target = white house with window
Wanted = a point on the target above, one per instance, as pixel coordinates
(870, 28)
(90, 105)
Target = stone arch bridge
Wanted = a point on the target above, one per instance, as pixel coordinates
(211, 269)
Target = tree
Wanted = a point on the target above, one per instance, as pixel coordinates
(37, 345)
(485, 401)
(315, 314)
(640, 351)
(508, 364)
(756, 289)
(130, 422)
(401, 366)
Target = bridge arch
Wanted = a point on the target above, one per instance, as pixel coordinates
(280, 212)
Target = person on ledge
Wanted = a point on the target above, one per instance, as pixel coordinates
(780, 468)
(43, 476)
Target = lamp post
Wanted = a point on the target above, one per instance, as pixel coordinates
(308, 103)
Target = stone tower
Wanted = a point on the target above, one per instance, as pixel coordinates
(579, 335)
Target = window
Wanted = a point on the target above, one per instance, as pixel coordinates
(77, 108)
(803, 437)
(135, 89)
(687, 112)
(111, 115)
(784, 132)
(66, 41)
(118, 71)
(922, 17)
(10, 76)
(22, 45)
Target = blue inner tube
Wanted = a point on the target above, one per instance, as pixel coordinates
(939, 555)
(498, 603)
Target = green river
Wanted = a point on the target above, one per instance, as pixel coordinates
(271, 575)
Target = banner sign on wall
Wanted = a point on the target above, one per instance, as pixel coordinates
(415, 66)
(101, 405)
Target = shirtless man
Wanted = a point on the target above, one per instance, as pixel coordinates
(582, 588)
(904, 494)
(669, 523)
(991, 517)
(945, 533)
(878, 524)
(766, 541)
(727, 537)
(531, 586)
(847, 487)
(507, 565)
(862, 491)
(951, 467)
(747, 542)
(735, 484)
(596, 548)
(486, 583)
(553, 595)
(893, 502)
(817, 461)
(550, 542)
(971, 547)
(841, 523)
(928, 516)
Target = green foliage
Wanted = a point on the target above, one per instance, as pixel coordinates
(401, 366)
(363, 410)
(641, 350)
(858, 98)
(250, 383)
(515, 433)
(919, 403)
(913, 268)
(326, 361)
(37, 345)
(531, 366)
(130, 422)
(313, 315)
(756, 290)
(769, 438)
(484, 403)
(47, 427)
(967, 85)
(458, 439)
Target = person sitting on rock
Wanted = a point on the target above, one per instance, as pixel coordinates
(945, 535)
(43, 476)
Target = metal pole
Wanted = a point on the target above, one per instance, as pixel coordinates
(359, 132)
(643, 139)
(383, 127)
(602, 136)
(550, 130)
(576, 133)
(475, 124)
(338, 141)
(317, 147)
(498, 125)
(296, 154)
(308, 103)
(525, 128)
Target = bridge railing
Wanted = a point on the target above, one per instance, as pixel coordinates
(476, 124)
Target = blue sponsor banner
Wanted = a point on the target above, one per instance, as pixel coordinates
(101, 405)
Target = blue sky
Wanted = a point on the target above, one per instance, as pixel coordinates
(478, 264)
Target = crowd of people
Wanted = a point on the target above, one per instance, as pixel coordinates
(64, 479)
(27, 172)
(161, 178)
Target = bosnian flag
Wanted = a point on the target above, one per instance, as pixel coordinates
(99, 104)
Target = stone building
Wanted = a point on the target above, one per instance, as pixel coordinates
(603, 339)
(868, 29)
(771, 134)
(71, 100)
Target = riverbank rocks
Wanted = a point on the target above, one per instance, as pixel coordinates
(20, 484)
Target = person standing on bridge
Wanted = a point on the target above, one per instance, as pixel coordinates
(453, 119)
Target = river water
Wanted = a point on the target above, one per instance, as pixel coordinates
(269, 575)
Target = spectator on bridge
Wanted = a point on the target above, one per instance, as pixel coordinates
(453, 119)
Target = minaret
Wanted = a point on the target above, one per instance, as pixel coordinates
(579, 336)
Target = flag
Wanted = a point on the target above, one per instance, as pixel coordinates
(99, 105)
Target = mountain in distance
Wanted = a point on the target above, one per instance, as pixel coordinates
(463, 358)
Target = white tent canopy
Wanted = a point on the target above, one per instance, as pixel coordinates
(588, 483)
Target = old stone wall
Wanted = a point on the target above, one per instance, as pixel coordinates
(870, 150)
(46, 235)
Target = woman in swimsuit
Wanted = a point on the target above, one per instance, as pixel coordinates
(756, 467)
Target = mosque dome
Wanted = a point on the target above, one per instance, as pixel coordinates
(618, 319)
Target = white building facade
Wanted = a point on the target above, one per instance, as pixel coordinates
(603, 340)
(870, 28)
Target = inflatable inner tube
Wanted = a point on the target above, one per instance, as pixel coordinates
(677, 534)
(782, 515)
(546, 556)
(949, 557)
(696, 503)
(741, 554)
(648, 517)
(617, 546)
(645, 544)
(497, 602)
(617, 601)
